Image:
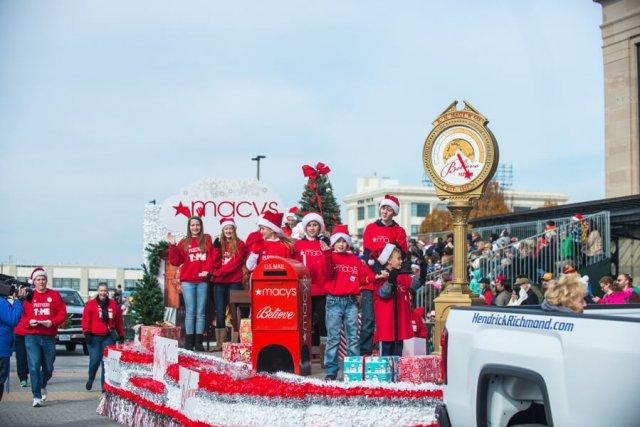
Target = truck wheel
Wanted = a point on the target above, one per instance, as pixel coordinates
(70, 347)
(85, 350)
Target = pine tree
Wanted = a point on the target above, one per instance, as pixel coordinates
(148, 302)
(318, 197)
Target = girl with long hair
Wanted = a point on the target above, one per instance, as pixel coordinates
(273, 242)
(194, 256)
(229, 255)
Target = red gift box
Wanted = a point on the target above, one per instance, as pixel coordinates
(236, 352)
(148, 332)
(420, 369)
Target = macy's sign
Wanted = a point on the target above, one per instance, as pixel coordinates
(244, 200)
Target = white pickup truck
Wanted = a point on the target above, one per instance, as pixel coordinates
(508, 366)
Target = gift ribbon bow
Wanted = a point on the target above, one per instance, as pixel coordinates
(313, 173)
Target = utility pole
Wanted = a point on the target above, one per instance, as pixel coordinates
(257, 160)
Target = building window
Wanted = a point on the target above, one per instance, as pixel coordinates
(371, 211)
(441, 207)
(360, 213)
(420, 210)
(93, 284)
(66, 282)
(130, 284)
(521, 208)
(415, 229)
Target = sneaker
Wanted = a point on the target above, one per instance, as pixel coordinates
(23, 383)
(43, 392)
(37, 402)
(88, 385)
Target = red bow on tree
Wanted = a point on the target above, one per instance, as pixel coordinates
(311, 173)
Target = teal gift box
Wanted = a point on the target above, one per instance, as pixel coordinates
(371, 368)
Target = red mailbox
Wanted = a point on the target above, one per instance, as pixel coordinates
(281, 316)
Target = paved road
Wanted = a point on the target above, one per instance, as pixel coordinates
(68, 403)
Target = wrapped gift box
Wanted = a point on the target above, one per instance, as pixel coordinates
(246, 336)
(236, 352)
(371, 368)
(420, 369)
(414, 347)
(148, 332)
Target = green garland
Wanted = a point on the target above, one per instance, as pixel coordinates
(154, 255)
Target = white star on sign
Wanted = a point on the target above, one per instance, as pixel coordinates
(258, 292)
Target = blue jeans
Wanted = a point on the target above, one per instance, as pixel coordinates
(368, 323)
(41, 353)
(195, 301)
(341, 310)
(96, 348)
(221, 300)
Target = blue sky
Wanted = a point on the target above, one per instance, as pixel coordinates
(105, 105)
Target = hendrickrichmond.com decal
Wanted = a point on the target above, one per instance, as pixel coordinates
(522, 321)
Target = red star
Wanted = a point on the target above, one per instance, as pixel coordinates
(467, 172)
(182, 209)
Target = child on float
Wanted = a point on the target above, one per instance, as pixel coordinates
(376, 235)
(229, 256)
(290, 222)
(193, 255)
(314, 252)
(343, 286)
(392, 302)
(273, 243)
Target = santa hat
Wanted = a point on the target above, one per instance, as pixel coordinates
(577, 217)
(386, 253)
(392, 202)
(292, 212)
(38, 271)
(340, 231)
(312, 216)
(227, 221)
(270, 220)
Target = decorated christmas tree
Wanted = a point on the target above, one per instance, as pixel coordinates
(148, 302)
(318, 195)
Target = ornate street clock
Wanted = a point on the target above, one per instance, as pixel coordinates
(460, 154)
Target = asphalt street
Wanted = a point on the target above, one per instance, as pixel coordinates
(68, 402)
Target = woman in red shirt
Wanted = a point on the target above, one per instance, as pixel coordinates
(194, 256)
(273, 243)
(228, 257)
(101, 322)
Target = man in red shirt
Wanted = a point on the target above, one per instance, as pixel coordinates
(40, 320)
(102, 324)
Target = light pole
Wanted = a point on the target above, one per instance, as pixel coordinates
(257, 160)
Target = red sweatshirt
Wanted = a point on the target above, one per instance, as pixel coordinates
(376, 235)
(191, 259)
(316, 260)
(252, 238)
(229, 269)
(92, 318)
(349, 275)
(48, 305)
(266, 249)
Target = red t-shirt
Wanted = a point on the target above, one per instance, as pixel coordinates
(47, 305)
(92, 318)
(229, 268)
(191, 259)
(376, 235)
(317, 262)
(349, 275)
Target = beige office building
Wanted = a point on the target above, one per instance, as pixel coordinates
(621, 55)
(81, 278)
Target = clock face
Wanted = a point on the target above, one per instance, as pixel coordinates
(458, 155)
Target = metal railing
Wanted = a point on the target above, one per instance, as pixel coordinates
(577, 243)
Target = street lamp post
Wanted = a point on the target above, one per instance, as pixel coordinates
(257, 160)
